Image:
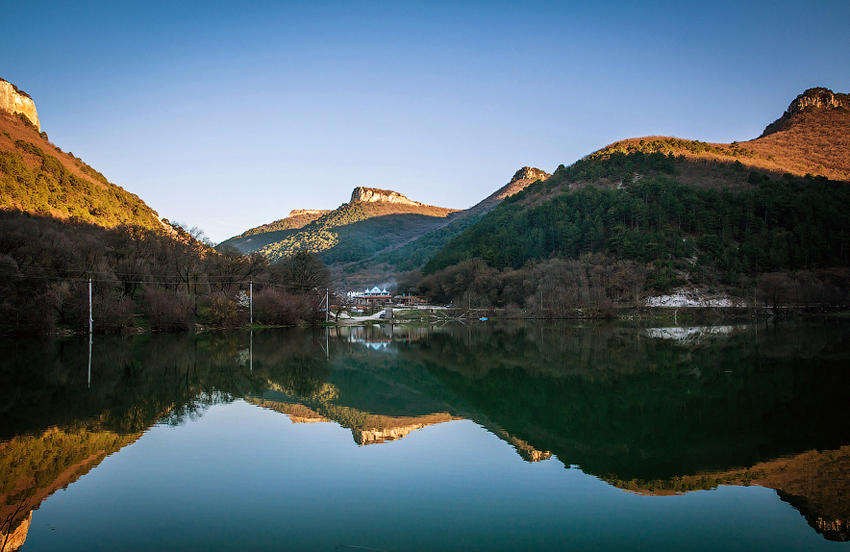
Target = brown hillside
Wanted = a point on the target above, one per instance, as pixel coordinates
(816, 483)
(815, 141)
(811, 137)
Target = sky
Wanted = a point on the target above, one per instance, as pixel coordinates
(227, 115)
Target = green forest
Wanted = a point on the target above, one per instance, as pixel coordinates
(786, 224)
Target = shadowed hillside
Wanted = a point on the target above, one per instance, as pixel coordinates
(686, 212)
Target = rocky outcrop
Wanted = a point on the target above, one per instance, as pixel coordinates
(306, 212)
(17, 101)
(520, 181)
(818, 98)
(375, 195)
(810, 100)
(530, 173)
(374, 436)
(13, 541)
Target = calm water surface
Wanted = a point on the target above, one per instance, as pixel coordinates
(484, 437)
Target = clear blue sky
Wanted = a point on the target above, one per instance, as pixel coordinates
(226, 115)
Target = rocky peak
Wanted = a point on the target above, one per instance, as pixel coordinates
(812, 99)
(16, 101)
(818, 98)
(529, 173)
(374, 195)
(520, 181)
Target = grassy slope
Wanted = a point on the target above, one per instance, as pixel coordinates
(37, 177)
(273, 232)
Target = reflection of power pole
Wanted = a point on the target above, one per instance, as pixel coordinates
(90, 311)
(90, 333)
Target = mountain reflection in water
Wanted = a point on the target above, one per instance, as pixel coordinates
(649, 410)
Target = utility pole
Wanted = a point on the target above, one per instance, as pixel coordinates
(327, 304)
(251, 287)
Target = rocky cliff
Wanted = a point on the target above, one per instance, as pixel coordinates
(818, 98)
(17, 101)
(374, 195)
(811, 100)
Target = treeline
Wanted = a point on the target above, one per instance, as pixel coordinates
(553, 287)
(777, 225)
(594, 285)
(141, 277)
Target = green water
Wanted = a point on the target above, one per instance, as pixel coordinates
(491, 436)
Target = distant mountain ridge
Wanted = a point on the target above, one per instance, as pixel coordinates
(376, 226)
(372, 220)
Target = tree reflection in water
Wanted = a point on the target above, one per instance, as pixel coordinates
(651, 410)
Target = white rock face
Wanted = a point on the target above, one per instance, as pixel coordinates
(16, 101)
(692, 298)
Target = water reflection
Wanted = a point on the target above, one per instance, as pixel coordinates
(650, 410)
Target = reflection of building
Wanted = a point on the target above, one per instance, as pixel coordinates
(372, 297)
(381, 337)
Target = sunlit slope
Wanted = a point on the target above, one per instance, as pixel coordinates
(257, 238)
(378, 232)
(39, 178)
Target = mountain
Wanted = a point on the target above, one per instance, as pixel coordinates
(78, 253)
(812, 136)
(37, 177)
(377, 234)
(371, 221)
(680, 211)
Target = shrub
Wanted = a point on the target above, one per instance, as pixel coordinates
(167, 310)
(111, 311)
(219, 310)
(278, 308)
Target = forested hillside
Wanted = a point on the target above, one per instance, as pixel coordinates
(39, 178)
(377, 236)
(685, 212)
(417, 253)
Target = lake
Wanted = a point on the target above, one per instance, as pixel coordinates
(487, 436)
